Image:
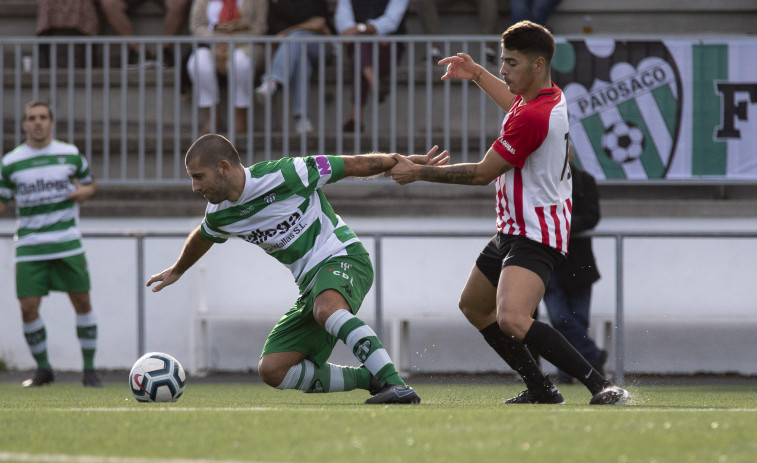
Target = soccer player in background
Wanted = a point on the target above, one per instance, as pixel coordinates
(48, 179)
(529, 165)
(279, 206)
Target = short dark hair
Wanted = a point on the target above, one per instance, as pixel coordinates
(34, 104)
(530, 39)
(212, 149)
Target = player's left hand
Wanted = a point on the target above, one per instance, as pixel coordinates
(429, 159)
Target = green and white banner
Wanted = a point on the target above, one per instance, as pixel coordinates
(669, 109)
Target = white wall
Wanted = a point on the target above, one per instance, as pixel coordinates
(689, 303)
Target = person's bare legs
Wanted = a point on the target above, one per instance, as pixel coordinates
(176, 16)
(478, 303)
(117, 17)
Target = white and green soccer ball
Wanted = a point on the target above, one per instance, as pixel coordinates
(623, 142)
(157, 377)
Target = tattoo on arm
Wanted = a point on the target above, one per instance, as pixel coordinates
(464, 174)
(376, 165)
(373, 166)
(477, 77)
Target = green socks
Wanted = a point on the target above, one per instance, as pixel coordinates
(36, 338)
(86, 331)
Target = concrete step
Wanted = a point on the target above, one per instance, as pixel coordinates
(18, 17)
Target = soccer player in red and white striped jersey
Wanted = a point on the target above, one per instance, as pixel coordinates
(529, 165)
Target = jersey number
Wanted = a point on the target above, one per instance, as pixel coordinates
(565, 170)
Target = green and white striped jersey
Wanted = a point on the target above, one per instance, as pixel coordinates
(284, 211)
(41, 182)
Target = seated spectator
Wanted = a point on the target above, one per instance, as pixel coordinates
(488, 15)
(294, 18)
(73, 17)
(532, 10)
(226, 18)
(369, 17)
(117, 15)
(428, 14)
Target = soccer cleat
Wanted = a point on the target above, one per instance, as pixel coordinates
(611, 395)
(528, 397)
(266, 90)
(90, 379)
(435, 55)
(41, 377)
(492, 57)
(375, 386)
(304, 125)
(394, 394)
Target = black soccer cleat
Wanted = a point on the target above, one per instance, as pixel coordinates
(90, 379)
(41, 377)
(528, 397)
(611, 395)
(394, 394)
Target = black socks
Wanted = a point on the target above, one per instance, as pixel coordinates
(559, 352)
(517, 356)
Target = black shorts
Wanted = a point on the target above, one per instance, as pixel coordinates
(505, 250)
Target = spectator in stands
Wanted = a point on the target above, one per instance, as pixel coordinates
(227, 18)
(369, 17)
(294, 18)
(428, 14)
(568, 293)
(74, 17)
(488, 13)
(532, 10)
(48, 179)
(488, 17)
(117, 15)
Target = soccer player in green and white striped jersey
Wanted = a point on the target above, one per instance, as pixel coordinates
(48, 179)
(279, 206)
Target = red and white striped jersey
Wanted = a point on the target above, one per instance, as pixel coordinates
(534, 198)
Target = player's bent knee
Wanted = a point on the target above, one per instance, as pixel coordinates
(510, 326)
(271, 372)
(474, 314)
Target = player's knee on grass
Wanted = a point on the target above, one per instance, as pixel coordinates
(272, 373)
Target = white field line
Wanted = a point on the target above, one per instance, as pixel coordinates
(548, 409)
(63, 458)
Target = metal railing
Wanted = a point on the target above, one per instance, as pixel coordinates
(135, 121)
(619, 238)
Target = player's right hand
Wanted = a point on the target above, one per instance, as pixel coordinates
(460, 66)
(403, 173)
(166, 277)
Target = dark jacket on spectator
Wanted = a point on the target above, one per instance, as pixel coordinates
(579, 268)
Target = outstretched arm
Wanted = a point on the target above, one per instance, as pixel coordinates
(469, 173)
(462, 66)
(369, 165)
(195, 247)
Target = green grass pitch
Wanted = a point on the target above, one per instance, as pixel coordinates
(454, 423)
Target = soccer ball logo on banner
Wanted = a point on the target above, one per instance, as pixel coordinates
(624, 105)
(623, 142)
